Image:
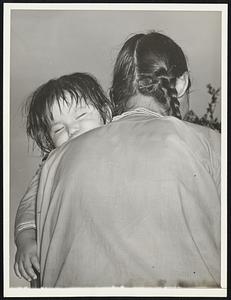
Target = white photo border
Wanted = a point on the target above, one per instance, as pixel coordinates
(112, 291)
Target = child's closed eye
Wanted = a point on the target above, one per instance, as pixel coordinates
(80, 116)
(59, 129)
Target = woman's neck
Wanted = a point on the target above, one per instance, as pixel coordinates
(146, 102)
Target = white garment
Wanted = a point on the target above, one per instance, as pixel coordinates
(133, 203)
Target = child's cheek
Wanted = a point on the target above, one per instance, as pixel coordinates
(91, 124)
(61, 139)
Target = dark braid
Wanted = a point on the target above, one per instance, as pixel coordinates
(162, 87)
(167, 84)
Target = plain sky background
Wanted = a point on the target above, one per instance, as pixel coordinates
(48, 44)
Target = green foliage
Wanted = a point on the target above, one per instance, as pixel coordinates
(208, 118)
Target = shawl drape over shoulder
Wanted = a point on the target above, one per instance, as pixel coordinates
(134, 203)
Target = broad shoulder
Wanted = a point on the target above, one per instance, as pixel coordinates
(213, 136)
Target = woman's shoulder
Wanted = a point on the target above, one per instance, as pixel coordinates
(203, 129)
(206, 133)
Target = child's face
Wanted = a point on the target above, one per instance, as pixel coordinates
(71, 120)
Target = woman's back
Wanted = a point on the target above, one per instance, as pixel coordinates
(141, 204)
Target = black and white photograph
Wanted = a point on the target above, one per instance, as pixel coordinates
(115, 136)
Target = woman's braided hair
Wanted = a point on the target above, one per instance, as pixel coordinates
(148, 64)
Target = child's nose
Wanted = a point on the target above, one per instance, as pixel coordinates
(73, 129)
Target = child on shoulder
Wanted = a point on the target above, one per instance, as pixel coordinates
(57, 112)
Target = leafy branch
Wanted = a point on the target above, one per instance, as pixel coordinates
(208, 118)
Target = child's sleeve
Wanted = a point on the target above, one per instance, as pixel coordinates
(26, 213)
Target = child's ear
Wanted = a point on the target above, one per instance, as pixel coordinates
(182, 84)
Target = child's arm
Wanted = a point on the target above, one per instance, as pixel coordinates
(25, 232)
(25, 217)
(26, 213)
